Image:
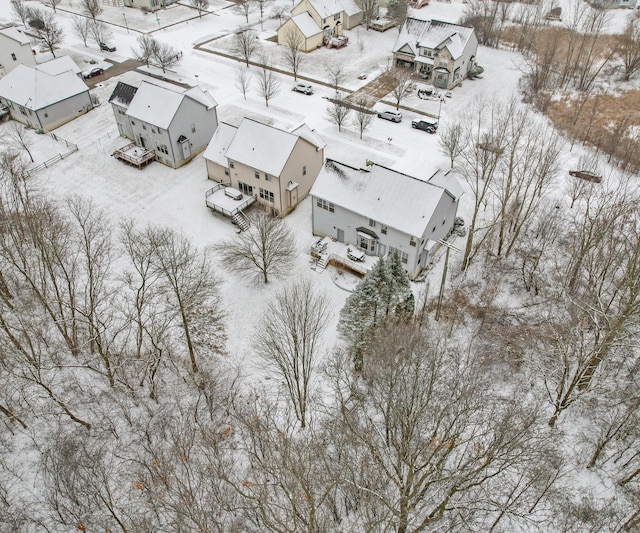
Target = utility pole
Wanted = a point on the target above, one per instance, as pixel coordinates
(444, 275)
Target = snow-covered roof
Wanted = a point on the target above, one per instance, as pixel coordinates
(448, 181)
(219, 144)
(306, 24)
(158, 105)
(328, 8)
(389, 197)
(261, 146)
(59, 65)
(198, 94)
(15, 34)
(35, 89)
(433, 34)
(309, 135)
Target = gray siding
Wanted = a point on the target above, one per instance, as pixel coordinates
(191, 113)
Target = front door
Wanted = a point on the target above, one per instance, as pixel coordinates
(246, 189)
(340, 235)
(382, 250)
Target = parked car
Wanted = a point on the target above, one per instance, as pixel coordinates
(393, 116)
(429, 127)
(90, 73)
(586, 175)
(107, 48)
(302, 87)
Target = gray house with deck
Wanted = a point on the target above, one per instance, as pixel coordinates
(379, 210)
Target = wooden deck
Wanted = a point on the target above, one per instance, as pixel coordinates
(134, 155)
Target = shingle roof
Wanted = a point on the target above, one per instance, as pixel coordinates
(392, 198)
(58, 65)
(157, 105)
(306, 24)
(123, 94)
(219, 144)
(433, 34)
(35, 89)
(328, 8)
(15, 34)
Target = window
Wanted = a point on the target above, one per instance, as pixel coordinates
(383, 229)
(163, 148)
(153, 130)
(144, 127)
(46, 115)
(372, 223)
(133, 122)
(193, 128)
(267, 176)
(226, 171)
(231, 164)
(412, 241)
(304, 170)
(13, 56)
(444, 221)
(433, 230)
(336, 16)
(256, 174)
(404, 256)
(266, 195)
(120, 111)
(327, 206)
(23, 111)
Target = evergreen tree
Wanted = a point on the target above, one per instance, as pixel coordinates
(383, 293)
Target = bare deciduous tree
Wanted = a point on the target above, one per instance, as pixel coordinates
(362, 116)
(99, 31)
(450, 140)
(15, 136)
(200, 5)
(91, 8)
(146, 48)
(369, 9)
(244, 8)
(243, 81)
(403, 85)
(293, 50)
(268, 83)
(47, 30)
(290, 339)
(338, 113)
(336, 75)
(628, 48)
(397, 11)
(21, 10)
(52, 3)
(267, 248)
(82, 28)
(245, 44)
(262, 5)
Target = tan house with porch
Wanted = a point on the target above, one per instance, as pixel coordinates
(331, 17)
(277, 167)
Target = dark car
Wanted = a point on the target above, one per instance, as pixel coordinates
(429, 127)
(586, 175)
(95, 71)
(107, 48)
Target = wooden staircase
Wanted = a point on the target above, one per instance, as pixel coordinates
(241, 221)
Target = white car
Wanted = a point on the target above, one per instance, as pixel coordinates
(302, 87)
(393, 116)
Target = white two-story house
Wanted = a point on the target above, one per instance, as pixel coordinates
(380, 210)
(15, 49)
(176, 124)
(440, 52)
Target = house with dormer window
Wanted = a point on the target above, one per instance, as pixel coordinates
(275, 166)
(439, 52)
(379, 210)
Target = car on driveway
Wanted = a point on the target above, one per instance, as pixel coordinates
(429, 127)
(302, 87)
(393, 116)
(107, 48)
(90, 73)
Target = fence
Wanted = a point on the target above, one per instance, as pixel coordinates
(71, 148)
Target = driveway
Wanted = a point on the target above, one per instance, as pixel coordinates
(114, 70)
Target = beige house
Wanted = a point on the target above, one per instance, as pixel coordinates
(330, 17)
(277, 167)
(15, 49)
(150, 5)
(300, 29)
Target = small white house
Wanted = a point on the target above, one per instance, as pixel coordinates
(440, 52)
(176, 124)
(15, 49)
(380, 210)
(47, 95)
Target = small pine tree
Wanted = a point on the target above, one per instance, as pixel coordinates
(384, 293)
